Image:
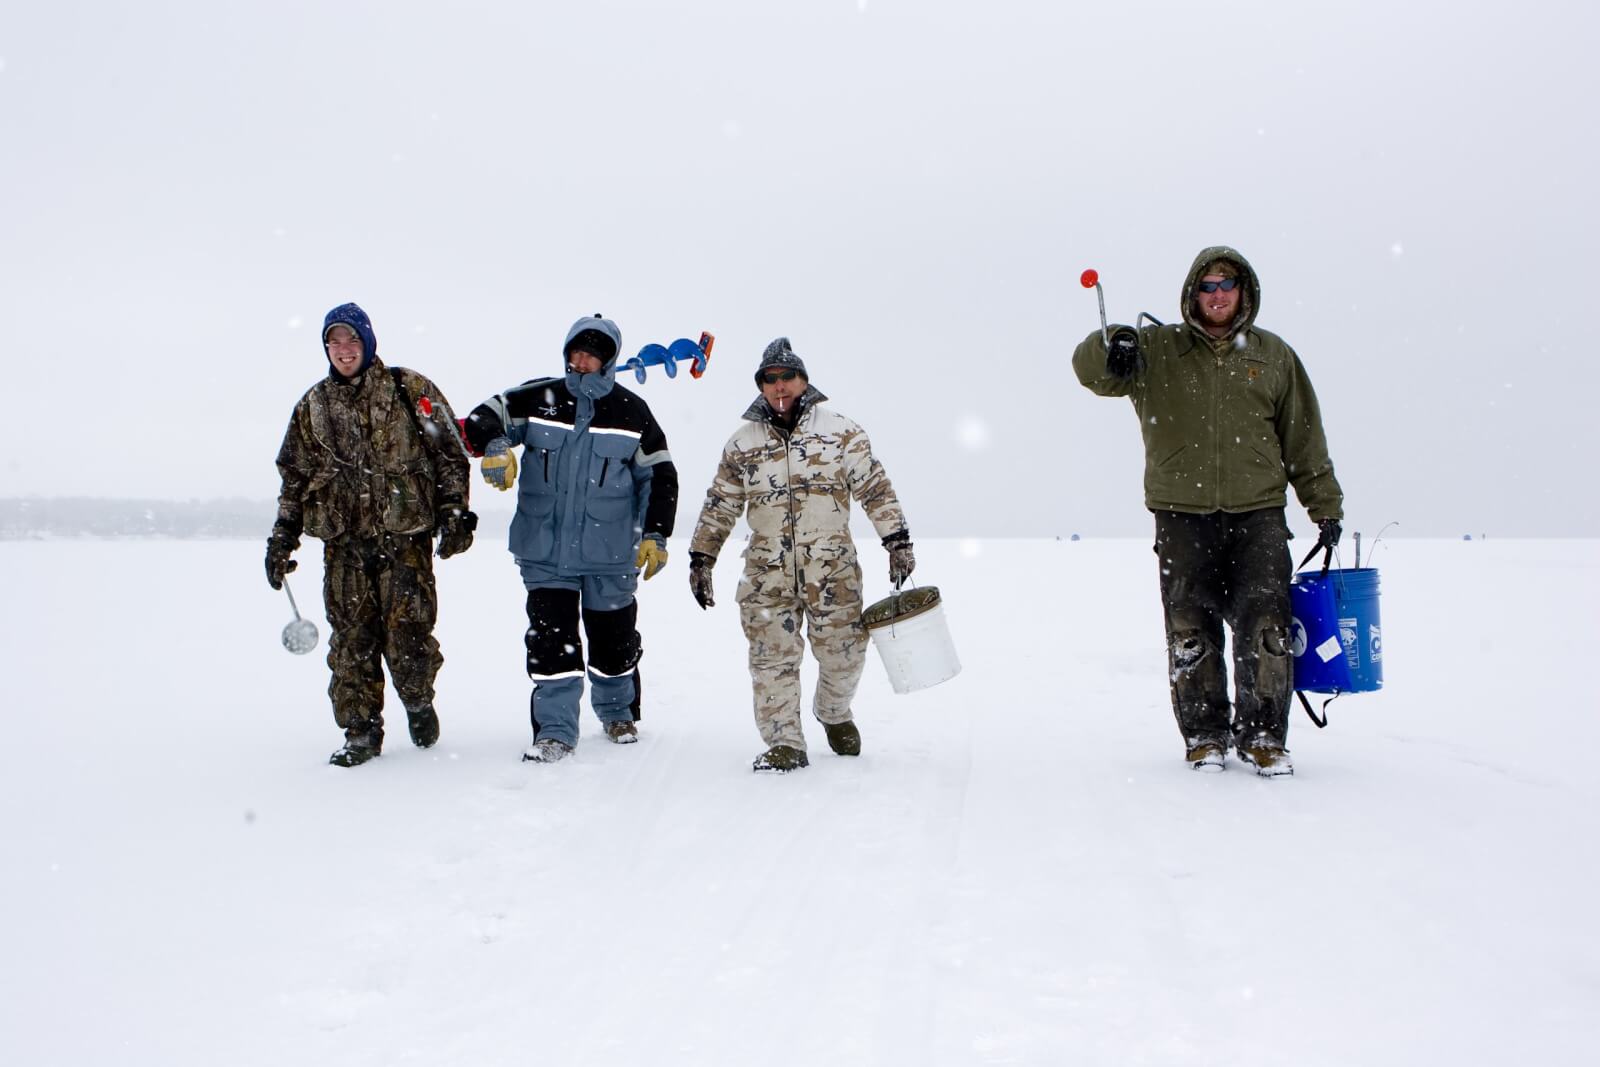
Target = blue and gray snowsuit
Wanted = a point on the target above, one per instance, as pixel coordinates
(596, 477)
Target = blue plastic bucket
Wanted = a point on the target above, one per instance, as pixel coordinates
(1335, 633)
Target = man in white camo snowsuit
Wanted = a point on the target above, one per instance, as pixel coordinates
(792, 469)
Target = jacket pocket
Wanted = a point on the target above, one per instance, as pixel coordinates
(320, 515)
(1171, 457)
(408, 503)
(533, 528)
(608, 530)
(609, 470)
(541, 458)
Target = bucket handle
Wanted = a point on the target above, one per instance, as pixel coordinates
(1304, 703)
(1327, 556)
(897, 596)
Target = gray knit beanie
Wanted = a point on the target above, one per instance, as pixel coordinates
(779, 354)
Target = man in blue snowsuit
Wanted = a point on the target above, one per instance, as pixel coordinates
(596, 501)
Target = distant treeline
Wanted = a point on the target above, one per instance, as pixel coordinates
(37, 518)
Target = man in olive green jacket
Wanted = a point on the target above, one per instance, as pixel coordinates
(1229, 421)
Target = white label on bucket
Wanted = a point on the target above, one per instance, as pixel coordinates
(1329, 649)
(1348, 633)
(1374, 644)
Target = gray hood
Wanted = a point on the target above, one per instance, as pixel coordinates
(599, 383)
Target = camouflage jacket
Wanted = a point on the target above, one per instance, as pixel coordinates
(1228, 423)
(795, 487)
(360, 460)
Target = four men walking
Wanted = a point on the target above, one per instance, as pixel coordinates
(372, 464)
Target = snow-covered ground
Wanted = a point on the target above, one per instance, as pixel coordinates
(1019, 868)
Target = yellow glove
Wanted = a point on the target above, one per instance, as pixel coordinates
(652, 557)
(499, 464)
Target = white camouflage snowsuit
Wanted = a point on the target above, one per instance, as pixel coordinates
(800, 564)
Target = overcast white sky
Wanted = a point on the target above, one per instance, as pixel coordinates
(908, 190)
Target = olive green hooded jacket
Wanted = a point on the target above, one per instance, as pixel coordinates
(1228, 422)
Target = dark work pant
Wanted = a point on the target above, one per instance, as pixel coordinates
(1227, 569)
(381, 602)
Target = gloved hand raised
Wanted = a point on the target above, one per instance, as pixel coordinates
(280, 546)
(700, 566)
(1122, 355)
(652, 556)
(455, 531)
(499, 464)
(902, 560)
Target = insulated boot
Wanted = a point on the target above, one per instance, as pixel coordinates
(780, 759)
(1207, 756)
(1266, 755)
(424, 726)
(843, 738)
(623, 733)
(358, 749)
(547, 751)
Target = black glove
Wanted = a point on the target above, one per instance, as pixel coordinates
(1328, 533)
(1122, 354)
(700, 566)
(280, 546)
(902, 560)
(455, 532)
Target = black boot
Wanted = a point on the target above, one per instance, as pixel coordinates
(424, 725)
(358, 749)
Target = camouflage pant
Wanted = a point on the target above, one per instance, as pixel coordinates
(381, 604)
(1234, 569)
(771, 612)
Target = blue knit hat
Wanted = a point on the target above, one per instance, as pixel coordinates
(352, 316)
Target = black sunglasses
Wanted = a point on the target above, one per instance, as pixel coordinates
(770, 377)
(1227, 285)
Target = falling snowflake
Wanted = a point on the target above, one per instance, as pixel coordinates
(973, 433)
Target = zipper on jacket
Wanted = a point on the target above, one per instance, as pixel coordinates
(1216, 436)
(546, 453)
(794, 538)
(605, 465)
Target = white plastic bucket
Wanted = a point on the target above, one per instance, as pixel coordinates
(911, 636)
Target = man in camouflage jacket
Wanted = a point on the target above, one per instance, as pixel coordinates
(1229, 422)
(596, 502)
(792, 468)
(373, 465)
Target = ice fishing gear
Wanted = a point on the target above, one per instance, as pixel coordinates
(668, 357)
(912, 638)
(1335, 629)
(299, 636)
(1090, 279)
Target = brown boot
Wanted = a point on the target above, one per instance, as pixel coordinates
(843, 737)
(1207, 756)
(623, 733)
(1267, 755)
(780, 759)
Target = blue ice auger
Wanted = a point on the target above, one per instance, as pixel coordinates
(669, 356)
